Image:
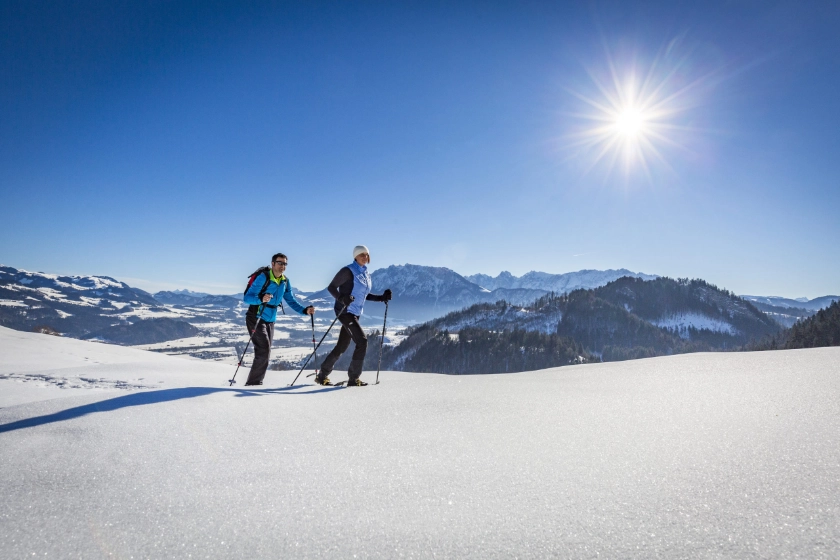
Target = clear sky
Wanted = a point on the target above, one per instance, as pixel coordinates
(180, 144)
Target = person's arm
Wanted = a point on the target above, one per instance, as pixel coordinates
(290, 298)
(342, 277)
(386, 296)
(251, 296)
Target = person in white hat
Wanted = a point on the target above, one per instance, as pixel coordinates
(351, 287)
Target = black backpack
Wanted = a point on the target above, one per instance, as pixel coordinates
(262, 270)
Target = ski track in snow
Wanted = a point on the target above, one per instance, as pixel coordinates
(74, 382)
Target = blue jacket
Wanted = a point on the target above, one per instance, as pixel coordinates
(279, 289)
(362, 285)
(353, 280)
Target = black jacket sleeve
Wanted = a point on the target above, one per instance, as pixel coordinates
(374, 297)
(340, 284)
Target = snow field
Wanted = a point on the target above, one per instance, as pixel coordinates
(703, 455)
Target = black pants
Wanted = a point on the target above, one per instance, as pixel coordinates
(350, 330)
(262, 347)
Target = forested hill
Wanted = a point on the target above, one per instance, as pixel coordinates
(627, 318)
(688, 306)
(821, 329)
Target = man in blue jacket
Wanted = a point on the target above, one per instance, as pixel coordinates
(351, 288)
(265, 293)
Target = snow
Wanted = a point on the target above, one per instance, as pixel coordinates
(12, 303)
(51, 293)
(729, 455)
(63, 314)
(696, 320)
(192, 341)
(147, 312)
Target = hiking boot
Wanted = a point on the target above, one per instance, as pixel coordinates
(355, 383)
(322, 380)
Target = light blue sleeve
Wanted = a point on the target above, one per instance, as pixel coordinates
(290, 298)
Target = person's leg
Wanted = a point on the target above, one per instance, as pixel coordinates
(360, 339)
(262, 352)
(344, 338)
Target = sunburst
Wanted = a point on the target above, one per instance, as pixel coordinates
(634, 118)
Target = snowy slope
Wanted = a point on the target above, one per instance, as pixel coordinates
(34, 367)
(693, 456)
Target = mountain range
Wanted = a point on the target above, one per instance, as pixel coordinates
(102, 308)
(557, 283)
(424, 292)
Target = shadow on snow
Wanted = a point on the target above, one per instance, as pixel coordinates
(150, 397)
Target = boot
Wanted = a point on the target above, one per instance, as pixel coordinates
(356, 383)
(322, 379)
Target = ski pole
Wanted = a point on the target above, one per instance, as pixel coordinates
(242, 358)
(381, 342)
(318, 346)
(312, 319)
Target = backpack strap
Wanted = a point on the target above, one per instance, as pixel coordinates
(265, 284)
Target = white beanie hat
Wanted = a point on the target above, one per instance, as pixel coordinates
(359, 249)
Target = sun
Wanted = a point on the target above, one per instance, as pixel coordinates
(630, 122)
(634, 116)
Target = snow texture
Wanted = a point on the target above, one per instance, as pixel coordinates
(729, 455)
(698, 321)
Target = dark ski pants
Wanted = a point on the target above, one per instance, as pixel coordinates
(350, 330)
(262, 348)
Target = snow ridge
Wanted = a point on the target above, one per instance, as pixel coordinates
(557, 283)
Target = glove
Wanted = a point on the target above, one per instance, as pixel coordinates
(346, 300)
(386, 295)
(308, 308)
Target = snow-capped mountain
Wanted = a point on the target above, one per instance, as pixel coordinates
(557, 283)
(97, 307)
(76, 305)
(424, 292)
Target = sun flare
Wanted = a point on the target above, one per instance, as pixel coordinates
(634, 116)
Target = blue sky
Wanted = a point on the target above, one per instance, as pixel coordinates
(180, 144)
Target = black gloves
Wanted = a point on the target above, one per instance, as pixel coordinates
(345, 300)
(312, 307)
(386, 295)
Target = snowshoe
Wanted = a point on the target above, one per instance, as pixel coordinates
(356, 383)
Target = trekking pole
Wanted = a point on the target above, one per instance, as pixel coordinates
(312, 318)
(242, 358)
(316, 348)
(381, 342)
